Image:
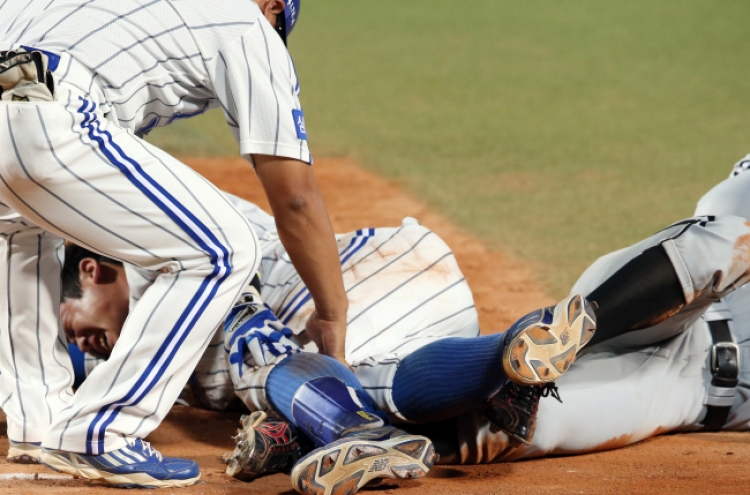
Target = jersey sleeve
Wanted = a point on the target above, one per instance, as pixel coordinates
(256, 84)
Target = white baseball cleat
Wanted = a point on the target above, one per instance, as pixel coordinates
(24, 452)
(541, 346)
(346, 465)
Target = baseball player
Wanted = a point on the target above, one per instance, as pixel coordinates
(685, 373)
(407, 295)
(80, 81)
(672, 333)
(638, 377)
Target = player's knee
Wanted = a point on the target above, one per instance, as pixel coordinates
(242, 251)
(231, 250)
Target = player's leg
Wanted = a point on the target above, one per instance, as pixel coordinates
(35, 373)
(407, 296)
(71, 172)
(704, 255)
(317, 395)
(731, 196)
(646, 293)
(610, 400)
(355, 444)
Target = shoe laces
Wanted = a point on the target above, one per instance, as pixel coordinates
(527, 396)
(522, 396)
(146, 448)
(550, 389)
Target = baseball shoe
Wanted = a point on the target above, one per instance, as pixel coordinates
(541, 346)
(24, 452)
(346, 465)
(138, 465)
(513, 410)
(264, 446)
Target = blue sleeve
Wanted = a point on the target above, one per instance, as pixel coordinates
(79, 368)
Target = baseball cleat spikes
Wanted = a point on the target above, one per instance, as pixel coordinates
(264, 445)
(345, 466)
(541, 346)
(24, 452)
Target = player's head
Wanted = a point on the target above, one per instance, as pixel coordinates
(95, 299)
(282, 14)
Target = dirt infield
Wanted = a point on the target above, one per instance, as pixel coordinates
(504, 289)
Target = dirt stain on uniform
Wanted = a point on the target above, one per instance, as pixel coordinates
(741, 258)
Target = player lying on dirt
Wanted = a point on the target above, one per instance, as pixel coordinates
(684, 372)
(639, 292)
(406, 296)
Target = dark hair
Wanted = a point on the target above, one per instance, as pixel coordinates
(71, 275)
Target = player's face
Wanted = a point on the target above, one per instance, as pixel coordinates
(94, 321)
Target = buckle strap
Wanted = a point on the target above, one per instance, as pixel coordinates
(725, 369)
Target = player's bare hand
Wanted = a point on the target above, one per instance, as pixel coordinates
(329, 336)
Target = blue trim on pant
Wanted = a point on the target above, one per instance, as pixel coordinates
(218, 254)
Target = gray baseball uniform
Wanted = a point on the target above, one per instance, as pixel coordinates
(658, 379)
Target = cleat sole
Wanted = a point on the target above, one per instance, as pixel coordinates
(345, 466)
(24, 453)
(542, 352)
(23, 459)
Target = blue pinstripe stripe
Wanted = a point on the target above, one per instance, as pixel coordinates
(218, 254)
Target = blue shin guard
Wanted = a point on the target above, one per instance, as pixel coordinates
(326, 410)
(321, 396)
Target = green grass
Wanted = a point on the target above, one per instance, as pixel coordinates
(557, 130)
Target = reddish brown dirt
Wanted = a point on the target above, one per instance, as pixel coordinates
(504, 289)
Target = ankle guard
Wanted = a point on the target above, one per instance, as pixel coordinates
(326, 409)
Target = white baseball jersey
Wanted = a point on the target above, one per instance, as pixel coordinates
(405, 290)
(74, 169)
(147, 63)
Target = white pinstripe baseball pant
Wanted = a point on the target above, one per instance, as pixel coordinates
(78, 176)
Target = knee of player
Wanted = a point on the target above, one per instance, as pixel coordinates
(710, 252)
(242, 251)
(233, 252)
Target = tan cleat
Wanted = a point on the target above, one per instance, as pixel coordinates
(346, 465)
(541, 346)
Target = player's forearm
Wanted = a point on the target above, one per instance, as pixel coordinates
(305, 229)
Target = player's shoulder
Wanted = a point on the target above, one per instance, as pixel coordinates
(202, 15)
(214, 28)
